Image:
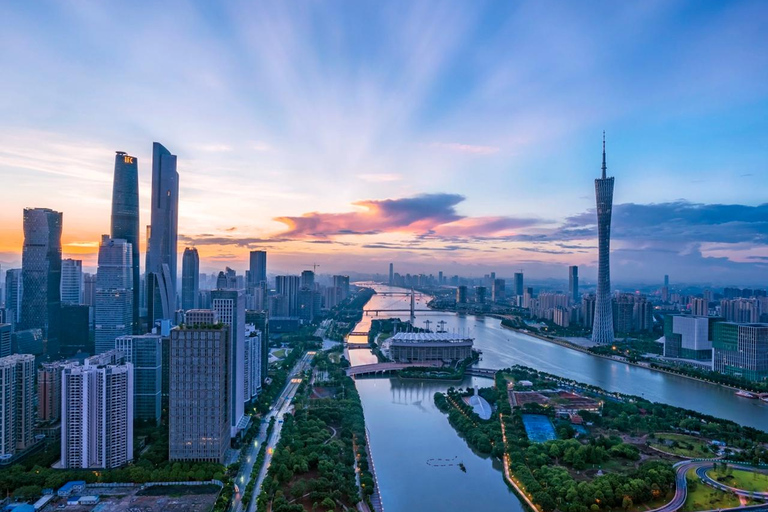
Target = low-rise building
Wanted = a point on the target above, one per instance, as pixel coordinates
(429, 346)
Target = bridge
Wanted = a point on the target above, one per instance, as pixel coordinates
(412, 311)
(358, 333)
(381, 368)
(488, 373)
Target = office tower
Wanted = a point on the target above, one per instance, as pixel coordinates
(49, 392)
(229, 306)
(89, 289)
(699, 307)
(391, 274)
(97, 412)
(71, 281)
(461, 295)
(5, 339)
(587, 311)
(231, 277)
(666, 280)
(573, 282)
(688, 337)
(125, 220)
(145, 353)
(114, 293)
(221, 281)
(162, 236)
(498, 292)
(75, 327)
(519, 284)
(341, 283)
(17, 403)
(602, 330)
(41, 275)
(307, 280)
(190, 275)
(13, 291)
(288, 288)
(741, 350)
(258, 267)
(199, 402)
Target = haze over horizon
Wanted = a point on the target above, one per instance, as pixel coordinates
(462, 138)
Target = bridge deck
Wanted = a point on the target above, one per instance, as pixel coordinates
(365, 369)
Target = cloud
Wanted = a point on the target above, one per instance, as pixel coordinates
(466, 148)
(215, 148)
(208, 239)
(426, 215)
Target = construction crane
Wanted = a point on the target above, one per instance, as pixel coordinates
(314, 266)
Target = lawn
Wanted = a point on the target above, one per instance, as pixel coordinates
(682, 445)
(281, 353)
(703, 497)
(747, 480)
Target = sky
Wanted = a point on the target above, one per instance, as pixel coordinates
(454, 136)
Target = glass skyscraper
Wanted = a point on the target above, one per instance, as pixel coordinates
(602, 330)
(258, 267)
(41, 276)
(125, 218)
(163, 235)
(113, 313)
(71, 281)
(190, 279)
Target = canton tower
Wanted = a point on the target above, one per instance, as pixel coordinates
(602, 330)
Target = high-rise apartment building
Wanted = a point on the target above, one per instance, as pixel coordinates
(602, 329)
(145, 353)
(97, 412)
(573, 283)
(113, 315)
(307, 280)
(258, 267)
(41, 276)
(229, 306)
(49, 392)
(71, 281)
(163, 236)
(741, 350)
(17, 403)
(6, 332)
(190, 279)
(125, 220)
(252, 363)
(199, 402)
(461, 294)
(699, 307)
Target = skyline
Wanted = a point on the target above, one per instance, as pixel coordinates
(431, 137)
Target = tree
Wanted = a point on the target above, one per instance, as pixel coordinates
(626, 503)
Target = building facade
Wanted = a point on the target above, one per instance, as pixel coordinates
(258, 267)
(199, 403)
(741, 350)
(41, 275)
(229, 306)
(125, 220)
(190, 279)
(408, 347)
(17, 403)
(97, 412)
(113, 313)
(602, 329)
(573, 283)
(162, 236)
(49, 392)
(71, 281)
(688, 337)
(145, 353)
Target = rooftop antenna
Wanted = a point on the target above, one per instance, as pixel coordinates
(604, 166)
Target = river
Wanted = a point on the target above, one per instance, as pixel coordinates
(407, 431)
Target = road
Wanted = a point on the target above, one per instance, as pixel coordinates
(701, 467)
(282, 406)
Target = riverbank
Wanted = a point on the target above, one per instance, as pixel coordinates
(574, 346)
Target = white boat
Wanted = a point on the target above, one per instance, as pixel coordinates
(745, 394)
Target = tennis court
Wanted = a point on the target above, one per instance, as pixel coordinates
(539, 428)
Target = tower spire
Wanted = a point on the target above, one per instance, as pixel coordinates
(604, 166)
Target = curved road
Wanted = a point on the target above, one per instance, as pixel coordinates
(701, 467)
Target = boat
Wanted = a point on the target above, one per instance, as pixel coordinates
(745, 394)
(462, 467)
(765, 399)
